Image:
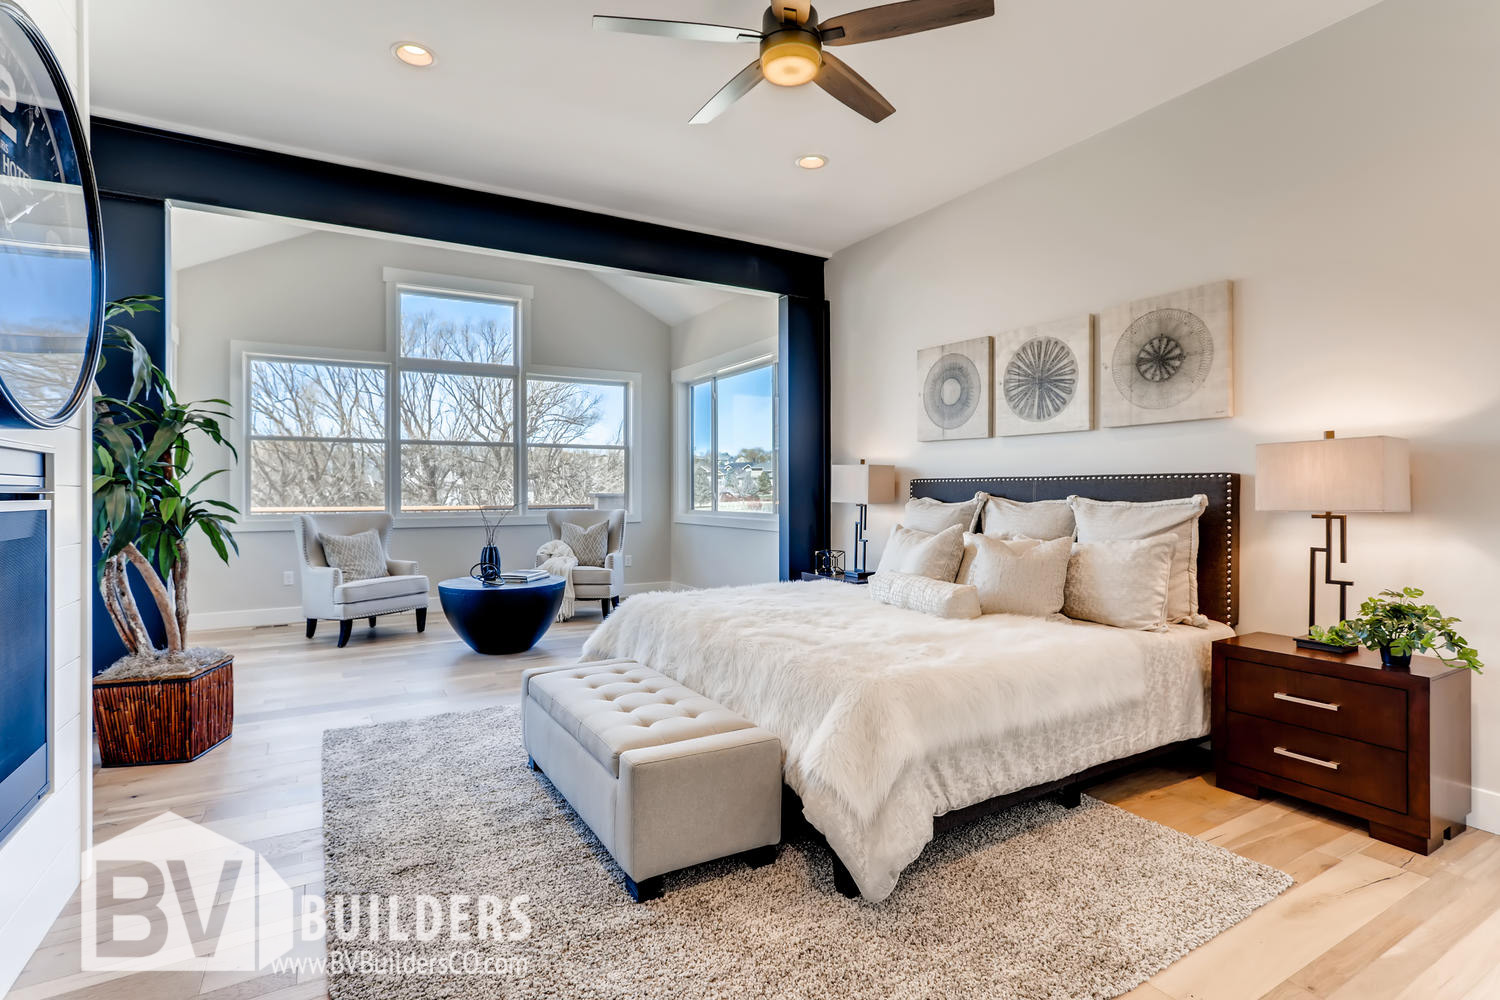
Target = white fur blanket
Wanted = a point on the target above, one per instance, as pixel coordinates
(557, 558)
(858, 691)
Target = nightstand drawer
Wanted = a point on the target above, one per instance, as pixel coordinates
(1372, 774)
(1367, 712)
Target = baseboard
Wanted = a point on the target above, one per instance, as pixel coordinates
(1486, 814)
(213, 621)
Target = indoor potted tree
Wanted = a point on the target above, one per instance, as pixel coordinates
(1396, 624)
(155, 705)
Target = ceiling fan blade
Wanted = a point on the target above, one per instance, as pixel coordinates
(854, 90)
(744, 81)
(688, 30)
(905, 18)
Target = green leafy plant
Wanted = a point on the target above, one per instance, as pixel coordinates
(1394, 620)
(146, 502)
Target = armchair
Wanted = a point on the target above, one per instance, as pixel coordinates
(326, 595)
(598, 583)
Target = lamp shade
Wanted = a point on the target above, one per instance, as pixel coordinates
(1340, 475)
(863, 483)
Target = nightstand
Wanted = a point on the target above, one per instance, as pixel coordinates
(838, 579)
(1388, 746)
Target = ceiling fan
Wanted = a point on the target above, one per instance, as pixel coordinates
(792, 44)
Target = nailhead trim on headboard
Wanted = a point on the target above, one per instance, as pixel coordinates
(1218, 567)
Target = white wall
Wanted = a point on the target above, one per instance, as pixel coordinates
(715, 555)
(39, 862)
(327, 289)
(1349, 186)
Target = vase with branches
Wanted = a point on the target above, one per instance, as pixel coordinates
(147, 492)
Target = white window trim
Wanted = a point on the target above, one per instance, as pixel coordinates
(749, 356)
(243, 352)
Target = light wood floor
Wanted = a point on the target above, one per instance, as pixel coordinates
(1365, 921)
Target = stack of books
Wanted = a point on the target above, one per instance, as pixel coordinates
(522, 575)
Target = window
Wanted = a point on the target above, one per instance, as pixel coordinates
(732, 441)
(316, 436)
(446, 421)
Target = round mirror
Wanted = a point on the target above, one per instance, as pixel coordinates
(51, 254)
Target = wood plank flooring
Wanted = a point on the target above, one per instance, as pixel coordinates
(1366, 921)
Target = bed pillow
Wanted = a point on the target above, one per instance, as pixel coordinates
(1110, 520)
(1045, 519)
(921, 593)
(1024, 576)
(923, 553)
(1121, 583)
(933, 516)
(358, 557)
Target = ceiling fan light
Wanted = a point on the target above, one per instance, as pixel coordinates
(812, 161)
(790, 62)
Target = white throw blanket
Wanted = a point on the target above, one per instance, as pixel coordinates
(865, 697)
(558, 559)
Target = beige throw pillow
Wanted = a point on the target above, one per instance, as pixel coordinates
(1121, 583)
(359, 557)
(588, 544)
(1024, 576)
(929, 515)
(1046, 519)
(920, 593)
(923, 553)
(1109, 520)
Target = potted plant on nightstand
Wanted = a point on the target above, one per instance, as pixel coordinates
(1396, 624)
(174, 703)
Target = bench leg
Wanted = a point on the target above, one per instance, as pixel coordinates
(762, 856)
(645, 890)
(1070, 797)
(346, 628)
(312, 627)
(531, 763)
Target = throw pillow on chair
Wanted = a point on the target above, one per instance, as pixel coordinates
(588, 544)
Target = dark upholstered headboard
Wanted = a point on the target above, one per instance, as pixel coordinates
(1218, 529)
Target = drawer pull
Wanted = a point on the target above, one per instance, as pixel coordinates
(1332, 765)
(1327, 706)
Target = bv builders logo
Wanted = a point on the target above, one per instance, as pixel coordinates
(170, 894)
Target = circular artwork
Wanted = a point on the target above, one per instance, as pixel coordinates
(1162, 358)
(950, 393)
(51, 252)
(1041, 379)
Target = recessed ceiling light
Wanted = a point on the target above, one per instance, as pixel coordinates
(412, 54)
(812, 161)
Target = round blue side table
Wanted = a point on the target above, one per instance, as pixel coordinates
(509, 618)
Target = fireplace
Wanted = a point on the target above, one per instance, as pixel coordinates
(25, 624)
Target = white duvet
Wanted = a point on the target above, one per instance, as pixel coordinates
(890, 717)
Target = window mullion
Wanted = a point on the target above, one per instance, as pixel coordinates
(713, 447)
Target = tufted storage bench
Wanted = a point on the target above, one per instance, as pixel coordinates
(665, 777)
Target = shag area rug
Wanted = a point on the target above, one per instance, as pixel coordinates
(1036, 903)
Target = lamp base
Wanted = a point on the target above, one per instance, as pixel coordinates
(1303, 642)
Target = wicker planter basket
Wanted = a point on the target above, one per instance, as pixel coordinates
(166, 720)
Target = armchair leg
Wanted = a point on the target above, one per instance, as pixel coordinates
(421, 619)
(345, 628)
(372, 621)
(614, 602)
(604, 606)
(312, 627)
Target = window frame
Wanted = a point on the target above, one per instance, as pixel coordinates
(759, 354)
(393, 363)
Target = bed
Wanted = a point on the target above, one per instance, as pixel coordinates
(894, 722)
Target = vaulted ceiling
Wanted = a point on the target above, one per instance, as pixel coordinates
(525, 98)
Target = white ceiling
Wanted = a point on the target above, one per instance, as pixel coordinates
(200, 237)
(526, 98)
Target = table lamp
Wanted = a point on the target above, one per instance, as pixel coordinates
(1332, 478)
(862, 485)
